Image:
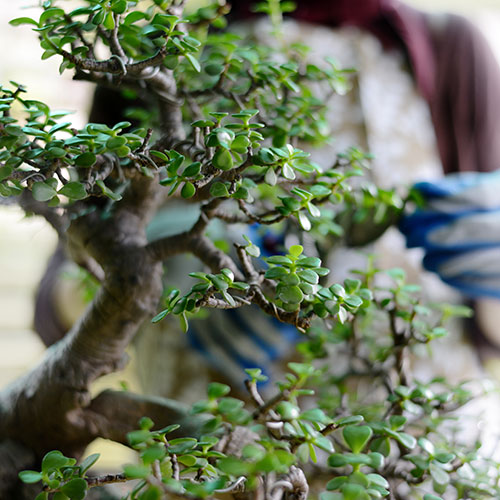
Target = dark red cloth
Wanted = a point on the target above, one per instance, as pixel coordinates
(457, 73)
(453, 66)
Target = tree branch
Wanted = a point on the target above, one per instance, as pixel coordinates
(115, 413)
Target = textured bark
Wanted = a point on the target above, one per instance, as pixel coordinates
(51, 407)
(48, 408)
(116, 413)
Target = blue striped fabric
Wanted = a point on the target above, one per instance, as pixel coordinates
(459, 229)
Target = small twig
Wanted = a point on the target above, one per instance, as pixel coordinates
(262, 218)
(114, 43)
(329, 429)
(236, 486)
(246, 263)
(95, 481)
(145, 141)
(157, 470)
(214, 303)
(254, 393)
(271, 403)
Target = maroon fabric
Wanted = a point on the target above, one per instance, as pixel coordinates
(453, 67)
(412, 28)
(457, 73)
(466, 103)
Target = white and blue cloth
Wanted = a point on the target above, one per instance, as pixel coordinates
(459, 229)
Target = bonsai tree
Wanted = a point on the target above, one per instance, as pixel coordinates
(224, 125)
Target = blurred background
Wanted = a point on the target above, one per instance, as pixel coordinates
(26, 243)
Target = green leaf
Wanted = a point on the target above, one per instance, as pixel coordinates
(313, 210)
(354, 492)
(279, 259)
(187, 460)
(291, 294)
(159, 154)
(116, 142)
(75, 488)
(14, 130)
(54, 460)
(406, 440)
(222, 160)
(309, 276)
(337, 460)
(444, 458)
(315, 415)
(85, 159)
(133, 17)
(42, 191)
(194, 62)
(376, 459)
(52, 12)
(397, 421)
(216, 390)
(30, 476)
(73, 190)
(136, 471)
(336, 483)
(152, 493)
(138, 437)
(309, 262)
(107, 192)
(169, 428)
(356, 436)
(353, 419)
(378, 480)
(234, 466)
(240, 144)
(439, 475)
(88, 462)
(121, 125)
(214, 69)
(182, 445)
(119, 7)
(192, 170)
(271, 178)
(155, 452)
(109, 21)
(22, 20)
(276, 273)
(122, 151)
(219, 190)
(426, 445)
(324, 443)
(44, 495)
(60, 496)
(296, 250)
(287, 410)
(253, 250)
(5, 172)
(188, 190)
(288, 172)
(328, 495)
(304, 222)
(160, 316)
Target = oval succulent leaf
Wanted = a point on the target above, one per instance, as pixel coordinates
(356, 436)
(291, 294)
(223, 160)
